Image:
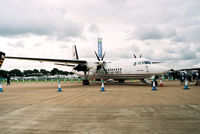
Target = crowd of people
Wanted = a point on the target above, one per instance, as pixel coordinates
(191, 76)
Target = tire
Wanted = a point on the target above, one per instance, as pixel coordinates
(85, 82)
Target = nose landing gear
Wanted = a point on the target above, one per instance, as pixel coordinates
(86, 81)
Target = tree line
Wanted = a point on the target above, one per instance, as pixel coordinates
(34, 72)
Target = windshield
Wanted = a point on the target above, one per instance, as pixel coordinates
(147, 62)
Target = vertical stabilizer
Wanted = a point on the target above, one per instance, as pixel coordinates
(2, 57)
(75, 53)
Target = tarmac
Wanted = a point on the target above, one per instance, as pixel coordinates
(129, 108)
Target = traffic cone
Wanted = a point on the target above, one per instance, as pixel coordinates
(59, 87)
(1, 90)
(186, 83)
(154, 85)
(161, 84)
(102, 86)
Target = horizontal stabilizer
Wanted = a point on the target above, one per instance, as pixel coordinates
(2, 57)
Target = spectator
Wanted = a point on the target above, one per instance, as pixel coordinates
(8, 80)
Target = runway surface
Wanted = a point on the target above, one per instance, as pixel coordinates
(123, 109)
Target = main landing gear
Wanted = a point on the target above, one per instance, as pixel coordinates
(85, 81)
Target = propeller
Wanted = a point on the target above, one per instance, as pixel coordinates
(134, 56)
(100, 63)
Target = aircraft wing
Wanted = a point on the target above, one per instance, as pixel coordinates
(79, 65)
(49, 60)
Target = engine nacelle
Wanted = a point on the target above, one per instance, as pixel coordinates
(85, 67)
(91, 65)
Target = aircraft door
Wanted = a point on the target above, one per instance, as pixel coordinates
(147, 69)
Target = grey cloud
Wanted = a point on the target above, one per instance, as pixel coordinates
(19, 44)
(38, 44)
(169, 50)
(94, 29)
(179, 38)
(151, 32)
(117, 2)
(69, 30)
(189, 54)
(192, 34)
(64, 46)
(24, 17)
(188, 35)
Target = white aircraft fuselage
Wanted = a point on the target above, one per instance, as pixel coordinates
(138, 68)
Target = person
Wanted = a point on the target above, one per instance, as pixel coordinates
(8, 80)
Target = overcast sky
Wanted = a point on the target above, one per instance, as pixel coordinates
(160, 30)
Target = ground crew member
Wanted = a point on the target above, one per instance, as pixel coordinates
(8, 80)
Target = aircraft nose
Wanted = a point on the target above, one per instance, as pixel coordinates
(159, 69)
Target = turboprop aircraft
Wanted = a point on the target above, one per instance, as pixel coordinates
(121, 70)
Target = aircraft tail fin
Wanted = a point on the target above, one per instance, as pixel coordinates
(2, 57)
(75, 53)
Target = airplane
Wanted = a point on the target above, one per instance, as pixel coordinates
(134, 68)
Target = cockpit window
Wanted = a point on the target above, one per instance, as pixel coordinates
(147, 62)
(139, 63)
(134, 64)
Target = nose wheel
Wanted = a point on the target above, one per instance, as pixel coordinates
(86, 82)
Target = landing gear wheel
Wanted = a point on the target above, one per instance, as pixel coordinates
(85, 82)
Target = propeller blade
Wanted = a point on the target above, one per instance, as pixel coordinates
(103, 56)
(104, 69)
(96, 72)
(134, 55)
(140, 55)
(97, 56)
(98, 68)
